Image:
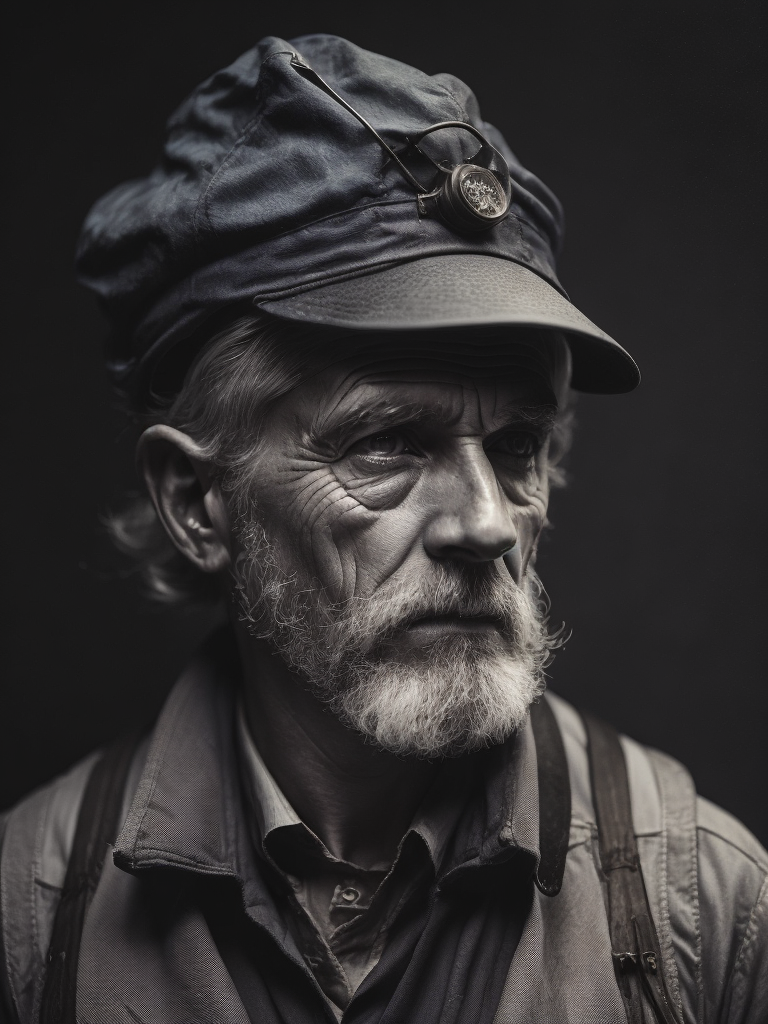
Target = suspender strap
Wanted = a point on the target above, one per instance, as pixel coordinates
(554, 798)
(634, 943)
(97, 825)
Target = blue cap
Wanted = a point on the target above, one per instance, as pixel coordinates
(299, 180)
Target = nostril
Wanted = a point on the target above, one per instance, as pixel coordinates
(474, 552)
(453, 552)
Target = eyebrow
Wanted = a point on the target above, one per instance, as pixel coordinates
(541, 416)
(329, 434)
(335, 428)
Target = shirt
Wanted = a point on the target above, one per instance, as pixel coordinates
(483, 943)
(339, 913)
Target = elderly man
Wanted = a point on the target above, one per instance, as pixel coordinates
(336, 314)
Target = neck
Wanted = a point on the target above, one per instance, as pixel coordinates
(359, 800)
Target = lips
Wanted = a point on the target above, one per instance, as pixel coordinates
(467, 623)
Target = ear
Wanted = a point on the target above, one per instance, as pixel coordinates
(186, 496)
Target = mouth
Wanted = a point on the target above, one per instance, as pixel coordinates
(455, 623)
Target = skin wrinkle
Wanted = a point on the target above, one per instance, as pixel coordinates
(360, 422)
(352, 407)
(358, 532)
(329, 554)
(317, 505)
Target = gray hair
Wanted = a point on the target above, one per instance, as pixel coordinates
(237, 377)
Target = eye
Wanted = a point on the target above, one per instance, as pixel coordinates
(518, 443)
(382, 446)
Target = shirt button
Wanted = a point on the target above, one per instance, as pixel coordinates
(350, 895)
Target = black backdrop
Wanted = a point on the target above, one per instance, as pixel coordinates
(645, 120)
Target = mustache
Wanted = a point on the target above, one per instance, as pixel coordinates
(291, 611)
(446, 590)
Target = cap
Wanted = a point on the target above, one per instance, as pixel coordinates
(323, 183)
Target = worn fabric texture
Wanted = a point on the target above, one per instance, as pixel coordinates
(271, 194)
(340, 914)
(186, 902)
(266, 185)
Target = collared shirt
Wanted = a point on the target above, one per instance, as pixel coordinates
(339, 913)
(481, 943)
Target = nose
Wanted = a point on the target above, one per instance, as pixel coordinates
(473, 520)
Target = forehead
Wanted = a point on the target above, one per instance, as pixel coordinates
(533, 369)
(381, 385)
(438, 385)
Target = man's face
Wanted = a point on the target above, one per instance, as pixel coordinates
(384, 497)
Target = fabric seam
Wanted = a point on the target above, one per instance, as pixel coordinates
(203, 198)
(760, 865)
(665, 923)
(694, 899)
(750, 933)
(153, 785)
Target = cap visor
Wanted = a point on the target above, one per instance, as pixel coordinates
(464, 290)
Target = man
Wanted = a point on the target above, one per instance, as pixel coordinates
(335, 312)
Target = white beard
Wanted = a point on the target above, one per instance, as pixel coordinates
(459, 693)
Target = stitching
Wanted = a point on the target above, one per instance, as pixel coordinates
(375, 204)
(665, 922)
(37, 870)
(300, 299)
(39, 974)
(178, 860)
(155, 774)
(750, 934)
(454, 100)
(5, 945)
(693, 842)
(759, 864)
(664, 868)
(203, 199)
(543, 235)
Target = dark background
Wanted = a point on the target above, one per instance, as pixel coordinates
(646, 120)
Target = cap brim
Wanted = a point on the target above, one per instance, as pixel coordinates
(463, 290)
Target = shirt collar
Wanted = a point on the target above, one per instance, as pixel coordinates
(189, 810)
(435, 819)
(270, 805)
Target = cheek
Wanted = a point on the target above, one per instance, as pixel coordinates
(529, 499)
(530, 525)
(336, 533)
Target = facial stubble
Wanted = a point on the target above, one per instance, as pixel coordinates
(460, 692)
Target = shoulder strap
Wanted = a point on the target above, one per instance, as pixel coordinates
(554, 798)
(97, 826)
(635, 945)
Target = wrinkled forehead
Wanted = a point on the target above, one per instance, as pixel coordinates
(524, 361)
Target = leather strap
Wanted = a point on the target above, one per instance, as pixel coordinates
(554, 798)
(97, 825)
(634, 943)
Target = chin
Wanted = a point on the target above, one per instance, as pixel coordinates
(446, 708)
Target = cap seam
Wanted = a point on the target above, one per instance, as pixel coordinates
(343, 213)
(456, 105)
(203, 198)
(367, 270)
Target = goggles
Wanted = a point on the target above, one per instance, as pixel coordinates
(469, 197)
